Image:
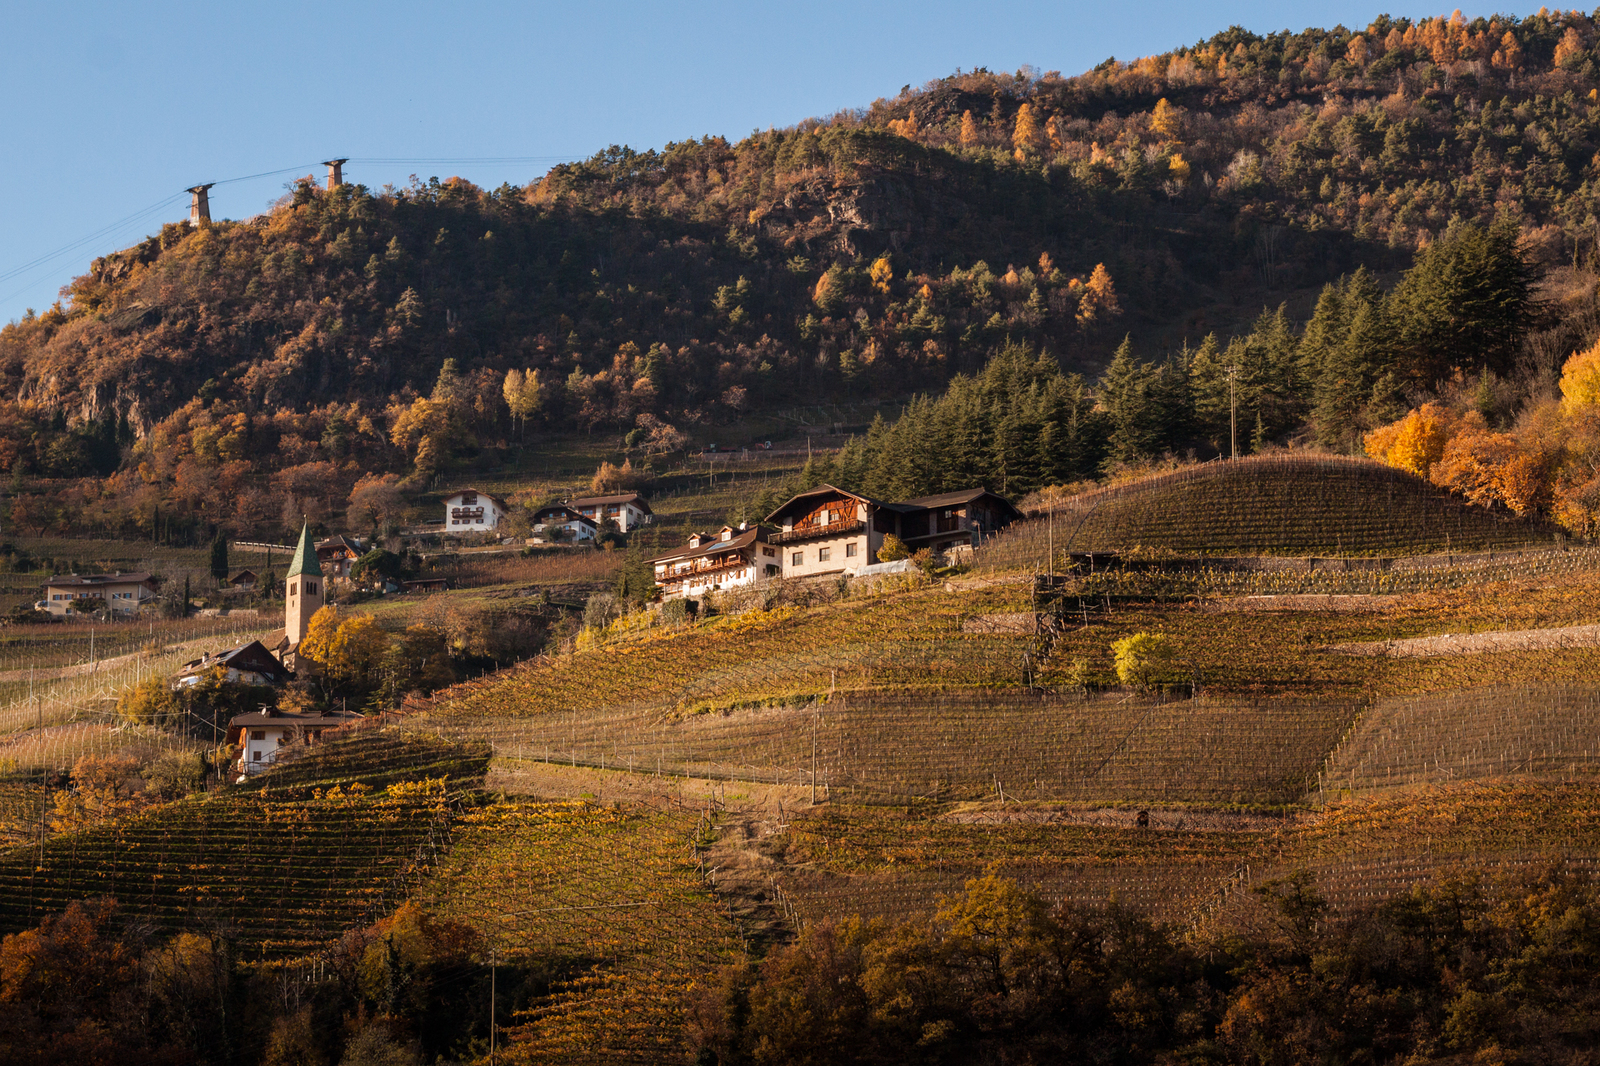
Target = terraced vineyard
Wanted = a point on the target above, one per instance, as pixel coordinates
(1369, 850)
(958, 745)
(19, 807)
(615, 891)
(287, 876)
(1550, 730)
(374, 759)
(875, 862)
(1268, 506)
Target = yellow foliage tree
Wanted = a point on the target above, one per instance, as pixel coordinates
(905, 127)
(1178, 168)
(1166, 120)
(881, 274)
(969, 130)
(1580, 380)
(1413, 443)
(523, 393)
(1098, 299)
(1026, 136)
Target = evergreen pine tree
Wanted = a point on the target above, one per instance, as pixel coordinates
(1126, 390)
(219, 557)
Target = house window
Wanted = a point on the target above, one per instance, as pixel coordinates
(850, 550)
(797, 559)
(255, 756)
(824, 554)
(258, 734)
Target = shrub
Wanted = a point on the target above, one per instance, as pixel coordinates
(893, 549)
(1140, 658)
(600, 610)
(674, 612)
(176, 774)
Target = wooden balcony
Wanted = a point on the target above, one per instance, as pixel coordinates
(832, 529)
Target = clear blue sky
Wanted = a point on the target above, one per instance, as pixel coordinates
(112, 108)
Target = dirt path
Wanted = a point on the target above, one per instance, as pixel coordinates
(1554, 639)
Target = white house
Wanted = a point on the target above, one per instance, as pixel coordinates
(729, 558)
(121, 593)
(248, 664)
(627, 510)
(262, 735)
(471, 511)
(560, 522)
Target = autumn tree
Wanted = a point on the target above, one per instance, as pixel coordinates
(1026, 135)
(1166, 121)
(969, 130)
(524, 394)
(375, 501)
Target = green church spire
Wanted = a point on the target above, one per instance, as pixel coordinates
(305, 556)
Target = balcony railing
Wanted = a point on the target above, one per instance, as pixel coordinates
(700, 571)
(832, 529)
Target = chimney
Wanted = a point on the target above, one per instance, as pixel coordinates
(199, 204)
(335, 172)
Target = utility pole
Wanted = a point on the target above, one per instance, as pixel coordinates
(1233, 417)
(492, 961)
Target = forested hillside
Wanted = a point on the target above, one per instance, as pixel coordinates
(870, 255)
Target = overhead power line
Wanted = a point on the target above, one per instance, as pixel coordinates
(142, 215)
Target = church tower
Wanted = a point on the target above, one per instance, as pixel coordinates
(304, 594)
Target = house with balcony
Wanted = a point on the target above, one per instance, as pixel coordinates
(471, 511)
(829, 531)
(626, 510)
(954, 522)
(337, 555)
(119, 593)
(559, 522)
(729, 558)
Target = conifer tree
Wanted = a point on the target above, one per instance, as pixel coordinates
(969, 130)
(1127, 394)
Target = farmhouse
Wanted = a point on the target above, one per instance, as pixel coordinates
(120, 593)
(560, 522)
(337, 555)
(248, 664)
(244, 580)
(954, 522)
(831, 531)
(726, 559)
(471, 511)
(262, 735)
(627, 510)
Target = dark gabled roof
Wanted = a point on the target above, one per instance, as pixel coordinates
(713, 546)
(305, 561)
(251, 574)
(252, 656)
(561, 509)
(339, 541)
(497, 500)
(950, 499)
(625, 497)
(95, 580)
(823, 490)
